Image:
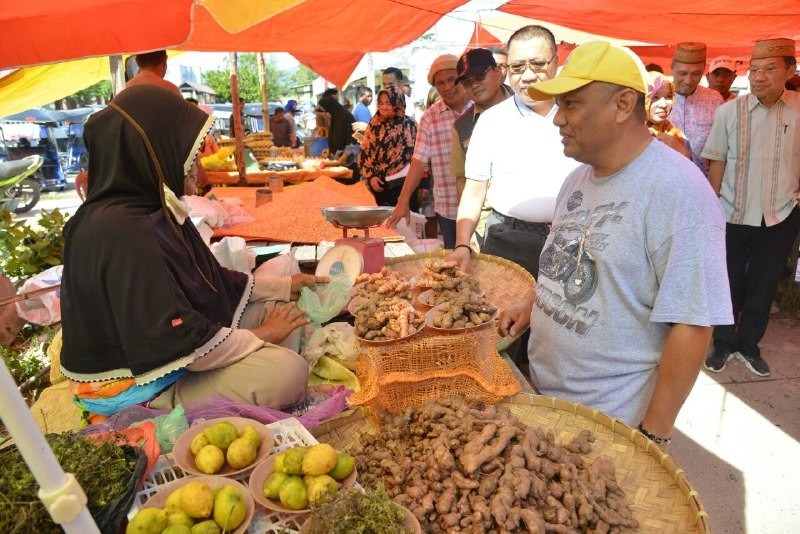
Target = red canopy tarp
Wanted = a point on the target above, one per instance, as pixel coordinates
(721, 24)
(327, 34)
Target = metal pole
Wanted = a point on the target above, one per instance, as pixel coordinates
(61, 494)
(117, 67)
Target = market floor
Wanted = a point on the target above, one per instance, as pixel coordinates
(738, 439)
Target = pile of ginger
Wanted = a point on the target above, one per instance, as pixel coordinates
(383, 309)
(462, 468)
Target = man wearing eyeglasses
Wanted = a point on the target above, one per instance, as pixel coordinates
(517, 147)
(694, 106)
(754, 166)
(482, 79)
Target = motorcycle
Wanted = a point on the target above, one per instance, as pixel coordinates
(18, 192)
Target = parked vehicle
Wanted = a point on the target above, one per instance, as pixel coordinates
(18, 192)
(50, 175)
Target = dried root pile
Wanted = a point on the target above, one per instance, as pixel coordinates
(383, 309)
(462, 468)
(446, 280)
(468, 309)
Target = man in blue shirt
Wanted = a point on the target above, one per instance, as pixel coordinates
(361, 112)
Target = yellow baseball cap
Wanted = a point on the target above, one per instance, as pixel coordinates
(597, 61)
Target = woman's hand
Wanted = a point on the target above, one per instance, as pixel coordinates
(281, 322)
(300, 280)
(376, 184)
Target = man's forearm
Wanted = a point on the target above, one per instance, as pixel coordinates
(716, 169)
(413, 178)
(469, 210)
(681, 358)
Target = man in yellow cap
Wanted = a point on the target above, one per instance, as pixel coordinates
(632, 273)
(694, 106)
(754, 155)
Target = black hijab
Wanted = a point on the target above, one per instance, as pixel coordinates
(141, 295)
(340, 133)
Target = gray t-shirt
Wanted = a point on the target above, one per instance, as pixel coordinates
(651, 243)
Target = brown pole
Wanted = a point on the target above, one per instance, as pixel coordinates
(236, 118)
(117, 67)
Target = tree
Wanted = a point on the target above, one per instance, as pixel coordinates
(278, 81)
(95, 94)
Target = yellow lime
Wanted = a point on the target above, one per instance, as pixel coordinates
(344, 466)
(148, 521)
(221, 434)
(179, 517)
(210, 460)
(273, 483)
(293, 461)
(250, 434)
(241, 453)
(321, 489)
(198, 442)
(177, 529)
(206, 527)
(319, 459)
(229, 508)
(293, 493)
(197, 500)
(173, 501)
(278, 464)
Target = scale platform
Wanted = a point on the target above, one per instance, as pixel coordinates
(359, 218)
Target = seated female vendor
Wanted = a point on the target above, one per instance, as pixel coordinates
(149, 316)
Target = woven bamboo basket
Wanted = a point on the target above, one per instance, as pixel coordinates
(231, 141)
(504, 282)
(658, 490)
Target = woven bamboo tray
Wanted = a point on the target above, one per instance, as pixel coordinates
(661, 497)
(504, 282)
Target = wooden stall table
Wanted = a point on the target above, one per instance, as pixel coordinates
(293, 176)
(295, 214)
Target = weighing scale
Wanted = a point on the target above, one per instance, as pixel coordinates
(357, 218)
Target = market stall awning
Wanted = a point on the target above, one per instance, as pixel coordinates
(720, 24)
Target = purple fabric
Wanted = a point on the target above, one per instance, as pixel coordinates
(317, 407)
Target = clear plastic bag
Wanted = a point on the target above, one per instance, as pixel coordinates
(169, 427)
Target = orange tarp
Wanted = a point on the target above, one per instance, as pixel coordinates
(721, 24)
(328, 34)
(295, 214)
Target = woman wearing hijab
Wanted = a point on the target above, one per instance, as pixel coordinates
(149, 315)
(387, 148)
(340, 128)
(659, 101)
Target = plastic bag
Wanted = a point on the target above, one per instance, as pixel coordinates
(327, 301)
(233, 253)
(44, 309)
(335, 339)
(169, 427)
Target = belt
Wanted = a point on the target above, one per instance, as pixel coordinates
(524, 226)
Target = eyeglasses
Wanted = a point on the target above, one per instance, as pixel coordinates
(769, 71)
(478, 78)
(533, 64)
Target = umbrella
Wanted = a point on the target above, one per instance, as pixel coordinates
(37, 115)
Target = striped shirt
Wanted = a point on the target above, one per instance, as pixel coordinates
(694, 115)
(761, 150)
(434, 135)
